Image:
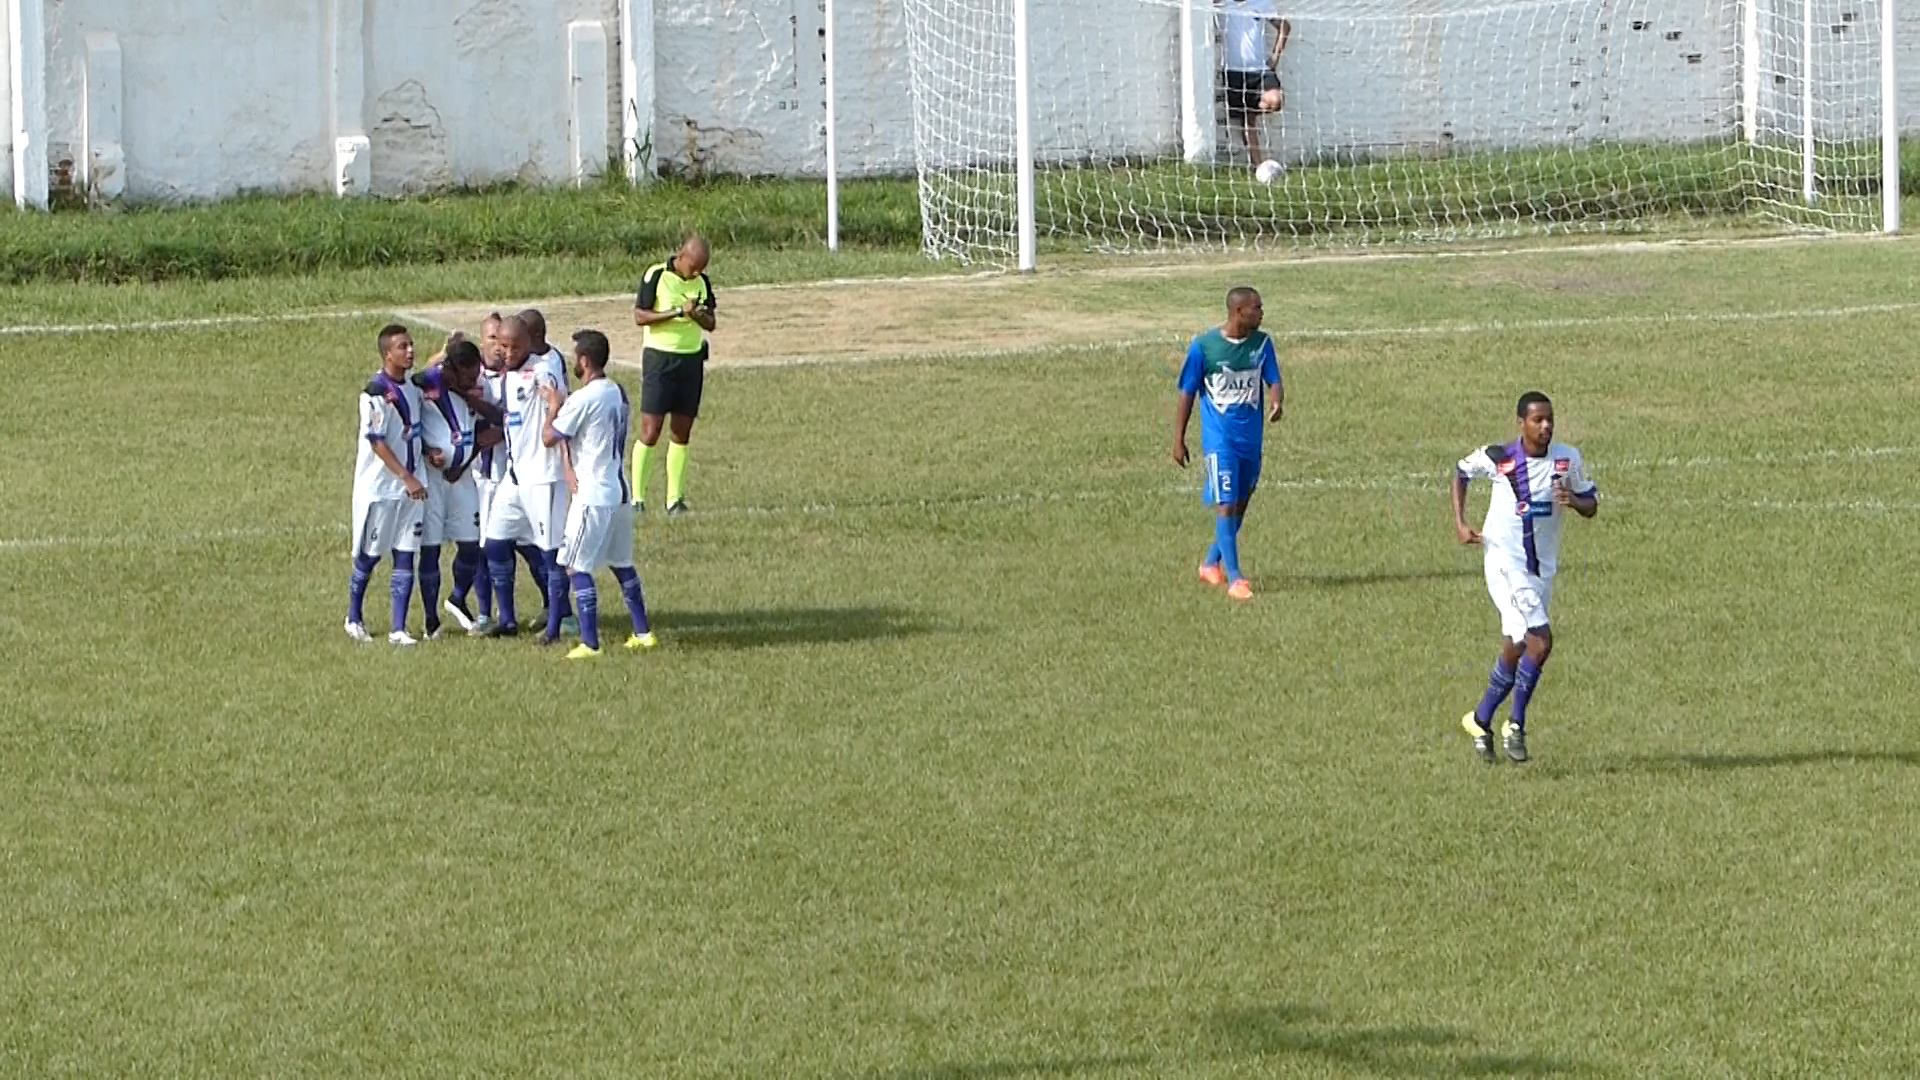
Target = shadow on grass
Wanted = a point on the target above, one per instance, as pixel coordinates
(1273, 1034)
(1379, 577)
(757, 629)
(1679, 763)
(1413, 1050)
(1036, 1069)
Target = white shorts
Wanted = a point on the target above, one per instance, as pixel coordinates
(453, 511)
(527, 514)
(484, 489)
(386, 526)
(597, 537)
(1520, 597)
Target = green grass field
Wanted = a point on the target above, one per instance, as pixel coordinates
(948, 769)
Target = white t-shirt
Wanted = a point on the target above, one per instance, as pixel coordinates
(1523, 522)
(594, 420)
(1244, 24)
(389, 413)
(552, 362)
(490, 465)
(530, 459)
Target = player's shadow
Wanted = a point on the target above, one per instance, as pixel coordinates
(767, 627)
(1357, 579)
(1680, 763)
(1285, 1031)
(1271, 1036)
(1035, 1069)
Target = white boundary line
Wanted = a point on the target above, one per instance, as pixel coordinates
(189, 324)
(1409, 481)
(65, 543)
(1197, 261)
(1330, 333)
(1334, 333)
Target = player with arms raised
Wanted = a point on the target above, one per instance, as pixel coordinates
(1535, 482)
(1229, 364)
(593, 424)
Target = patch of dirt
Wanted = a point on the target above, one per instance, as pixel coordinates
(867, 320)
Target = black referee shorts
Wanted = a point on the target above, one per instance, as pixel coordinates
(1244, 89)
(670, 383)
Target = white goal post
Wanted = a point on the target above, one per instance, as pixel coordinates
(1126, 125)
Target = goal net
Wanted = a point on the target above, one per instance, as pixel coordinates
(1398, 120)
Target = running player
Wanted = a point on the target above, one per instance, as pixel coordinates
(1535, 481)
(530, 505)
(454, 405)
(388, 496)
(593, 423)
(1230, 364)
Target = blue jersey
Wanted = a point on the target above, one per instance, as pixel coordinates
(1228, 377)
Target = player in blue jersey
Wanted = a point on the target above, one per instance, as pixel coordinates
(1226, 368)
(1535, 482)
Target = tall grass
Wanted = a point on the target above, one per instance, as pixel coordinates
(270, 236)
(1157, 201)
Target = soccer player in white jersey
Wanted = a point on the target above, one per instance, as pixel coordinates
(388, 495)
(541, 352)
(530, 504)
(1535, 482)
(593, 424)
(450, 441)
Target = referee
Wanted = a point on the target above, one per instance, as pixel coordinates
(675, 307)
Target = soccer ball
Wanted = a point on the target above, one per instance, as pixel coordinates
(1269, 171)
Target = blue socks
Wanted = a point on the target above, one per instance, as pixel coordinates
(467, 563)
(586, 600)
(402, 587)
(537, 567)
(430, 584)
(500, 569)
(556, 592)
(1499, 684)
(636, 602)
(1524, 682)
(1226, 544)
(357, 587)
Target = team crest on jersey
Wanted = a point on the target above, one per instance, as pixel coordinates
(1505, 467)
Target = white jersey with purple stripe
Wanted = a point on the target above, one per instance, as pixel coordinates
(449, 423)
(389, 414)
(1523, 521)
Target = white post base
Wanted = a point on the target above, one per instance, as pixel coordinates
(101, 171)
(352, 165)
(586, 101)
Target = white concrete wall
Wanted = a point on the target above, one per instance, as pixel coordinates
(223, 96)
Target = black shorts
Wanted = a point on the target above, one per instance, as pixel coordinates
(670, 382)
(1244, 89)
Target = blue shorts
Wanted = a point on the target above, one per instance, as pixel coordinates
(1230, 478)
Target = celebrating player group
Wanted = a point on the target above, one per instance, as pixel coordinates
(488, 450)
(494, 450)
(1536, 482)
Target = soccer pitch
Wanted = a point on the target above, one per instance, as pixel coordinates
(947, 768)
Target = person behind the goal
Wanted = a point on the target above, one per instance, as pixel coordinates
(1253, 37)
